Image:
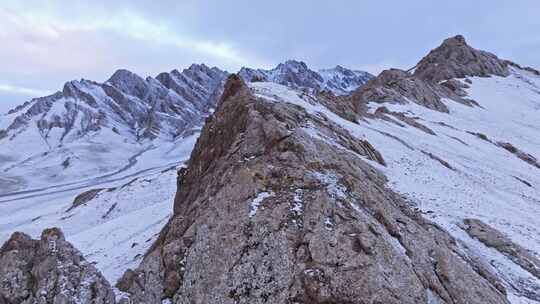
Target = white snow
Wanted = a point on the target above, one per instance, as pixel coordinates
(116, 240)
(114, 229)
(333, 187)
(298, 202)
(256, 202)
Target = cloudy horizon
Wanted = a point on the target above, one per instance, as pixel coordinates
(47, 43)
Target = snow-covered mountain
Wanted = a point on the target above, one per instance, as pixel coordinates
(98, 130)
(296, 74)
(416, 187)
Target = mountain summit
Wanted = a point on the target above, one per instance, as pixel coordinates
(454, 58)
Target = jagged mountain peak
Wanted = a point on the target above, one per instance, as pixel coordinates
(123, 114)
(198, 67)
(455, 40)
(129, 83)
(123, 74)
(297, 74)
(294, 65)
(434, 78)
(339, 68)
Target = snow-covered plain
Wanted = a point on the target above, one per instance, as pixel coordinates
(484, 180)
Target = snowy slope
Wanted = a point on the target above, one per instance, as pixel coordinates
(113, 229)
(452, 174)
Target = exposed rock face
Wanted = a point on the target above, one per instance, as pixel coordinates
(49, 270)
(526, 157)
(104, 127)
(275, 207)
(455, 59)
(399, 86)
(198, 84)
(296, 74)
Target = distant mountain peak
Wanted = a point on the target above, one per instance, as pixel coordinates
(129, 83)
(298, 75)
(296, 64)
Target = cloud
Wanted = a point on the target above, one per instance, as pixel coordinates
(45, 47)
(9, 89)
(45, 43)
(131, 25)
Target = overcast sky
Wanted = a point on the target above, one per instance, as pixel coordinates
(45, 43)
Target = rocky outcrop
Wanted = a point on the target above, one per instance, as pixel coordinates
(84, 198)
(454, 58)
(275, 208)
(526, 157)
(493, 238)
(434, 78)
(399, 86)
(49, 270)
(199, 84)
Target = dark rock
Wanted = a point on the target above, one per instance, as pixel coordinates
(49, 270)
(434, 78)
(84, 198)
(531, 160)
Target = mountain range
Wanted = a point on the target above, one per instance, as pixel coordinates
(286, 185)
(92, 131)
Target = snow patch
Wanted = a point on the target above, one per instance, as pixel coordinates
(256, 202)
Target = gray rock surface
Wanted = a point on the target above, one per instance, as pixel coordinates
(267, 213)
(49, 270)
(454, 58)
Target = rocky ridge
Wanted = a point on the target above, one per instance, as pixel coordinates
(294, 217)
